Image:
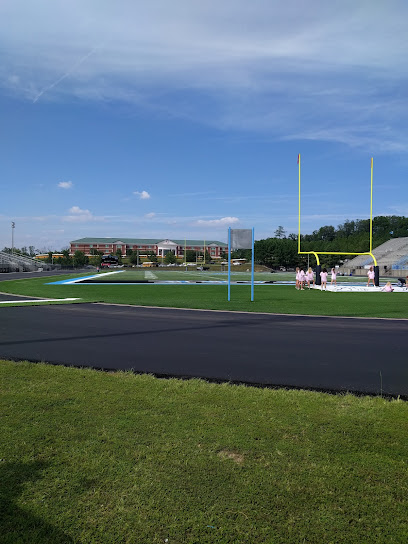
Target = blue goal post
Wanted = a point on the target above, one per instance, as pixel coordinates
(241, 239)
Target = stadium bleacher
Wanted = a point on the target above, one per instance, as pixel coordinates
(19, 263)
(392, 257)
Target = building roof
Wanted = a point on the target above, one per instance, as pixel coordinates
(146, 241)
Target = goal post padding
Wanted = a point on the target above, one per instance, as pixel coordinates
(318, 278)
(377, 276)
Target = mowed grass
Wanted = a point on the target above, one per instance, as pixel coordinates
(92, 457)
(268, 298)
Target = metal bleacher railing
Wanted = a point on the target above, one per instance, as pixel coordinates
(16, 262)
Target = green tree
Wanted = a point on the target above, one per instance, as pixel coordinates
(119, 255)
(80, 259)
(280, 232)
(191, 256)
(134, 257)
(170, 258)
(151, 256)
(96, 257)
(66, 259)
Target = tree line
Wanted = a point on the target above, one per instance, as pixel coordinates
(280, 250)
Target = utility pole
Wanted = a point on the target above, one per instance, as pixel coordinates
(13, 226)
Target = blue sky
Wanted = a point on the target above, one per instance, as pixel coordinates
(179, 119)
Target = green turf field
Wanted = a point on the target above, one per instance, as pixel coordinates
(93, 457)
(268, 298)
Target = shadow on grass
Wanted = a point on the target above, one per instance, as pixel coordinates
(17, 524)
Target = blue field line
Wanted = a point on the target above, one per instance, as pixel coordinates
(71, 281)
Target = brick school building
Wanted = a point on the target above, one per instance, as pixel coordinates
(147, 245)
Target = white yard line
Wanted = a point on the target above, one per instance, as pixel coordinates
(150, 275)
(78, 280)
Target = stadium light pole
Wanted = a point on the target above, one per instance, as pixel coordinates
(13, 226)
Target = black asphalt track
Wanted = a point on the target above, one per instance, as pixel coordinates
(356, 355)
(6, 296)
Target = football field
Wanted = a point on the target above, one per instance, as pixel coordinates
(193, 275)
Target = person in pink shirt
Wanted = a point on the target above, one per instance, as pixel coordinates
(333, 277)
(323, 276)
(310, 277)
(302, 278)
(388, 288)
(297, 277)
(370, 275)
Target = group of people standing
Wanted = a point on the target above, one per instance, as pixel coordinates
(307, 278)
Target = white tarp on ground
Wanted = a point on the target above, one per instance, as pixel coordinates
(359, 289)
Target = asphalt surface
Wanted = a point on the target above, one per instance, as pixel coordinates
(5, 296)
(358, 355)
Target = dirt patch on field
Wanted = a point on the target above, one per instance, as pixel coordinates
(236, 457)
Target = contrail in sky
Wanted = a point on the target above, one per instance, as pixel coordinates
(72, 69)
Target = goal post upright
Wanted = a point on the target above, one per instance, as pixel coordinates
(299, 206)
(317, 253)
(376, 267)
(318, 267)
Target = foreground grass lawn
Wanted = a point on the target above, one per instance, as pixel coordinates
(94, 457)
(268, 298)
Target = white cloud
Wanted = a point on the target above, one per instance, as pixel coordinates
(292, 70)
(77, 215)
(224, 221)
(77, 210)
(150, 215)
(143, 195)
(65, 184)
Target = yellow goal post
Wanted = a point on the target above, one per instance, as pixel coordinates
(317, 253)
